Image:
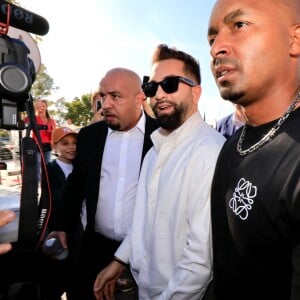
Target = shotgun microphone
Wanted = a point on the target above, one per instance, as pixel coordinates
(23, 19)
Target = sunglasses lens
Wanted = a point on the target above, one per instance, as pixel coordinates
(170, 84)
(150, 89)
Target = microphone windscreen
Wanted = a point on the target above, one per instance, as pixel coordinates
(23, 19)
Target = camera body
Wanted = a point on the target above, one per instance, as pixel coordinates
(17, 73)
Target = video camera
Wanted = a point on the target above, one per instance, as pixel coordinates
(17, 70)
(17, 74)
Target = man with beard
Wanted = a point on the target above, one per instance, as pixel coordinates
(169, 246)
(105, 174)
(255, 49)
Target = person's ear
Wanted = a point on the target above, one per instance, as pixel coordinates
(196, 90)
(295, 40)
(139, 98)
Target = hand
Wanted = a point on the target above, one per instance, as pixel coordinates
(6, 216)
(98, 116)
(104, 286)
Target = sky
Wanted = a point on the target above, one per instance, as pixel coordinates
(87, 38)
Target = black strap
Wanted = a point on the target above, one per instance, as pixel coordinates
(34, 213)
(29, 194)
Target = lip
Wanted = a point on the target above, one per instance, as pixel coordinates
(164, 107)
(108, 117)
(223, 72)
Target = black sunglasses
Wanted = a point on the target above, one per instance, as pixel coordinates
(169, 85)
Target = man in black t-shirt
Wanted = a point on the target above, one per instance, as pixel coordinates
(255, 49)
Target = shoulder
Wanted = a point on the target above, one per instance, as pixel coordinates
(53, 169)
(94, 128)
(214, 135)
(206, 137)
(223, 121)
(52, 165)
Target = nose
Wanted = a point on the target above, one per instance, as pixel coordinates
(160, 93)
(106, 101)
(220, 46)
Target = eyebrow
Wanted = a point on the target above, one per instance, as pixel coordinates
(109, 93)
(233, 15)
(228, 19)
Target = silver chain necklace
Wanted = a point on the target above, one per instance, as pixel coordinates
(267, 137)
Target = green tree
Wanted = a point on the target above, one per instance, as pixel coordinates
(43, 85)
(79, 110)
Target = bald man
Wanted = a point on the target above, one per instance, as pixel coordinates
(105, 174)
(255, 50)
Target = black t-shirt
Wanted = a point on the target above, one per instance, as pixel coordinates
(256, 216)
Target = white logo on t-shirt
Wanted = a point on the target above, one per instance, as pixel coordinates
(242, 198)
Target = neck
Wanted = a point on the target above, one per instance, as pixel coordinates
(270, 134)
(269, 109)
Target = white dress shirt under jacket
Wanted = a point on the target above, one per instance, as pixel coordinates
(169, 247)
(120, 170)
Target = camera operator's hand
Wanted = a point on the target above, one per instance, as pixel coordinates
(6, 216)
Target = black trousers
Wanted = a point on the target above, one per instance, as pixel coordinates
(97, 252)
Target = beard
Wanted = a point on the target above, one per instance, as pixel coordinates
(228, 93)
(112, 126)
(171, 121)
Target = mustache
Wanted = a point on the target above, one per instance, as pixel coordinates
(162, 102)
(224, 61)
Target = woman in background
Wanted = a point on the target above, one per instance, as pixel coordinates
(45, 125)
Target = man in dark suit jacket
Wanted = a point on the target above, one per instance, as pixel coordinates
(231, 123)
(105, 174)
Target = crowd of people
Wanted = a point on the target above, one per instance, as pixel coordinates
(154, 203)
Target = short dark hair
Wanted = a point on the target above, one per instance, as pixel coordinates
(191, 65)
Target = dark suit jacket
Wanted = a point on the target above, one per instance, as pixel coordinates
(226, 126)
(83, 182)
(57, 182)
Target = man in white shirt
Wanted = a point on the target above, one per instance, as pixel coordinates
(169, 246)
(105, 174)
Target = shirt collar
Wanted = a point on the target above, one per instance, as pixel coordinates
(158, 137)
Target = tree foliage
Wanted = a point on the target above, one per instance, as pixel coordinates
(43, 85)
(79, 110)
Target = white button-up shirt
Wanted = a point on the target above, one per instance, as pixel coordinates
(169, 247)
(120, 170)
